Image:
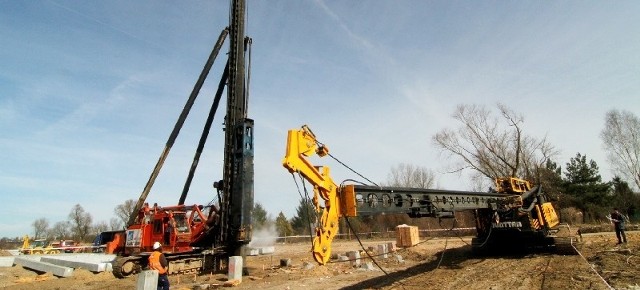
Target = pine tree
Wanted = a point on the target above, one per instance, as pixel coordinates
(550, 177)
(258, 215)
(305, 216)
(584, 185)
(283, 225)
(624, 199)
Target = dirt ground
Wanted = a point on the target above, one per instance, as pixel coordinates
(443, 263)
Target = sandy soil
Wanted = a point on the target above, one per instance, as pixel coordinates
(433, 264)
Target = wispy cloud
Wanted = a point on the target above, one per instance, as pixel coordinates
(103, 23)
(375, 56)
(90, 92)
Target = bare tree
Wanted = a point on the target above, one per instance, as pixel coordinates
(124, 210)
(494, 146)
(409, 175)
(40, 227)
(80, 222)
(60, 230)
(115, 224)
(621, 137)
(99, 227)
(402, 175)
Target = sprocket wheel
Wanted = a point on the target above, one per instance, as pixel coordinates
(125, 266)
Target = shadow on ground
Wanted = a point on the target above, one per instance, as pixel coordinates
(453, 259)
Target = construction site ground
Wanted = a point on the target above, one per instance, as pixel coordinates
(438, 263)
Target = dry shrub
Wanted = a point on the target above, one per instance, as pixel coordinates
(571, 215)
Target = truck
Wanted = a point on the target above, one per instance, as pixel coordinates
(200, 237)
(68, 246)
(100, 241)
(514, 214)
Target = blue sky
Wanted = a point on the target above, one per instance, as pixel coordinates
(90, 90)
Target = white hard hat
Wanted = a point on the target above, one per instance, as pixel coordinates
(156, 245)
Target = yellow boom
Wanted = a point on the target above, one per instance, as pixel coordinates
(302, 144)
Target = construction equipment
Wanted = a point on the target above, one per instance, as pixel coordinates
(37, 247)
(201, 237)
(513, 214)
(100, 241)
(68, 246)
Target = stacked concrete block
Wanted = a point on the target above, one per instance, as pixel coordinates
(251, 251)
(407, 236)
(382, 251)
(7, 261)
(147, 280)
(368, 266)
(391, 247)
(267, 250)
(235, 268)
(354, 256)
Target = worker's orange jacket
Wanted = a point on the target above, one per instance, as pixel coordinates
(154, 263)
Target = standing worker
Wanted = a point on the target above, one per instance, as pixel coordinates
(618, 222)
(158, 262)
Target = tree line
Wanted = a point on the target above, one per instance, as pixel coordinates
(79, 224)
(490, 144)
(494, 144)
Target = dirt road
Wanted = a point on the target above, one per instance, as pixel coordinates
(433, 264)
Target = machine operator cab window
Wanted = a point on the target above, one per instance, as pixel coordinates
(181, 222)
(157, 226)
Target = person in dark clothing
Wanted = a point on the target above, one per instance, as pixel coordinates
(618, 222)
(158, 262)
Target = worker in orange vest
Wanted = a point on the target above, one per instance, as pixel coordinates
(158, 262)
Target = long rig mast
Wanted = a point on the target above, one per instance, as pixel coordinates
(237, 185)
(232, 227)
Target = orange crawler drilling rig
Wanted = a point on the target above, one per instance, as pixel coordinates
(201, 237)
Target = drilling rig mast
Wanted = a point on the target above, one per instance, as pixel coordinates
(191, 239)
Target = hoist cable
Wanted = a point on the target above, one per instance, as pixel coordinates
(305, 199)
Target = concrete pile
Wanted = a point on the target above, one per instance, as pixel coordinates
(381, 251)
(255, 251)
(61, 265)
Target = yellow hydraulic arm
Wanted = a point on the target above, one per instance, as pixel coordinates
(301, 144)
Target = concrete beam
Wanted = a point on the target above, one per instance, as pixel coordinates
(29, 257)
(7, 261)
(36, 264)
(91, 258)
(88, 265)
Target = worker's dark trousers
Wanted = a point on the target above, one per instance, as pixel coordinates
(163, 282)
(620, 234)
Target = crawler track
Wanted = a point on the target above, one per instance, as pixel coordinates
(188, 263)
